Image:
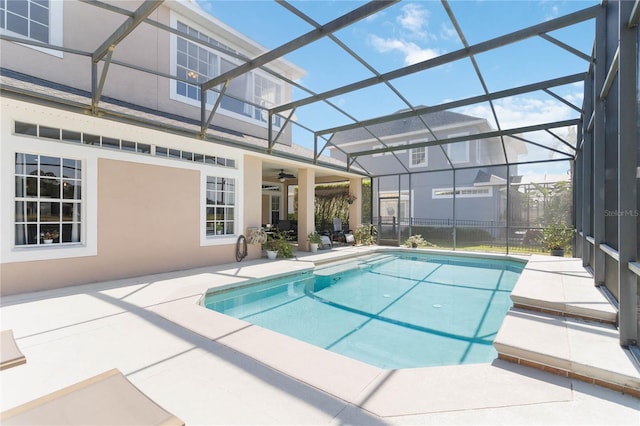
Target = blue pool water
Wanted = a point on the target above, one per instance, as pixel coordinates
(391, 310)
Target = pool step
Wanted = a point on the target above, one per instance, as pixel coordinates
(563, 324)
(561, 286)
(351, 264)
(572, 347)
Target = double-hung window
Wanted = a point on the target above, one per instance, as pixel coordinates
(220, 205)
(194, 64)
(418, 157)
(247, 96)
(28, 18)
(48, 200)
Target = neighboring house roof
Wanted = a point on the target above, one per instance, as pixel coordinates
(487, 179)
(435, 120)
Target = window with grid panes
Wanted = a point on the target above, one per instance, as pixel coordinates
(418, 157)
(48, 200)
(197, 64)
(28, 18)
(220, 206)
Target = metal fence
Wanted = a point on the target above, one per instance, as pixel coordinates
(463, 234)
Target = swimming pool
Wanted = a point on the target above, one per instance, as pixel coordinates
(390, 309)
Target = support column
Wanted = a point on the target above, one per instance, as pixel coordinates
(627, 164)
(252, 191)
(577, 203)
(600, 72)
(453, 212)
(306, 206)
(508, 207)
(587, 176)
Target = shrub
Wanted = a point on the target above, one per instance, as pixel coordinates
(277, 241)
(364, 234)
(314, 238)
(556, 236)
(418, 241)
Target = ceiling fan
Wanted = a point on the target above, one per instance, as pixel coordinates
(282, 176)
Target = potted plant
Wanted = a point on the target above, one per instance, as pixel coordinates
(277, 245)
(314, 241)
(49, 236)
(556, 237)
(350, 198)
(271, 245)
(218, 228)
(256, 236)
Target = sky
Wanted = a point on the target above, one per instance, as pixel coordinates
(413, 31)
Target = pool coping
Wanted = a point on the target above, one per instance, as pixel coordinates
(423, 390)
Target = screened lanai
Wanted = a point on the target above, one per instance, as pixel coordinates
(475, 142)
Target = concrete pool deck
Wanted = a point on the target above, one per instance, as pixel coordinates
(207, 368)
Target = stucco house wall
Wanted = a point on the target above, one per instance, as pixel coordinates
(85, 27)
(139, 213)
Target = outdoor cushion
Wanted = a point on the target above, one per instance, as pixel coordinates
(108, 398)
(10, 355)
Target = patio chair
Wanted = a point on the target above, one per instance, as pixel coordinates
(10, 355)
(338, 231)
(108, 398)
(325, 242)
(288, 228)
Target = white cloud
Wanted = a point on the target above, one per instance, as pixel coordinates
(414, 19)
(447, 32)
(527, 111)
(409, 31)
(522, 111)
(575, 98)
(411, 51)
(552, 13)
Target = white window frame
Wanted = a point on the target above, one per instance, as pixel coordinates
(221, 224)
(425, 163)
(251, 113)
(223, 239)
(462, 192)
(88, 246)
(55, 29)
(44, 227)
